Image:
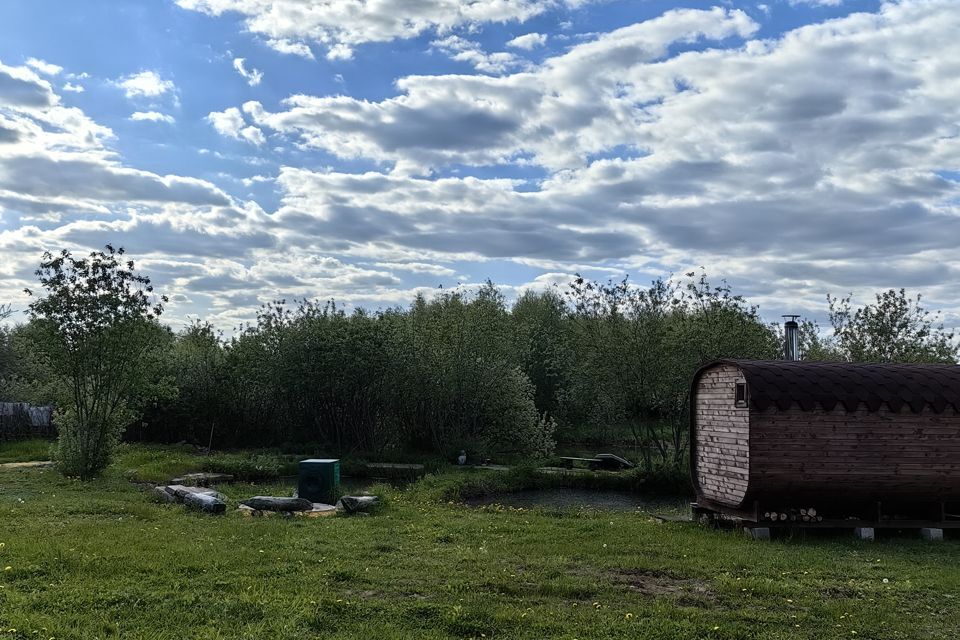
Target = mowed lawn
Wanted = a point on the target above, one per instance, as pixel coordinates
(101, 560)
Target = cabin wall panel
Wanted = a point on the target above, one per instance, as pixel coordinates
(855, 454)
(722, 452)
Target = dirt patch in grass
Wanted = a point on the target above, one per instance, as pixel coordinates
(25, 465)
(658, 584)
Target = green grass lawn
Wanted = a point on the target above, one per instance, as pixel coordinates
(24, 451)
(99, 559)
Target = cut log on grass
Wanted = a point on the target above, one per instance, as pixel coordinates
(181, 492)
(319, 510)
(273, 503)
(164, 495)
(357, 504)
(204, 502)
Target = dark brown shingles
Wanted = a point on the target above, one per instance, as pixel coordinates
(826, 384)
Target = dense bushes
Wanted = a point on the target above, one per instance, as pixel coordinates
(462, 371)
(441, 376)
(599, 362)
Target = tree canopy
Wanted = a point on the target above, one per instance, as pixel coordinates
(96, 328)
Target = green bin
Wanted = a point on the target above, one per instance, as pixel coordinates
(319, 480)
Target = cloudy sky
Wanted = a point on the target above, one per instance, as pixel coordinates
(245, 150)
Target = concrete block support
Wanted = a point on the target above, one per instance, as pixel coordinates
(864, 533)
(932, 534)
(758, 533)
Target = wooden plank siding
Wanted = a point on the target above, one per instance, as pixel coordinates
(721, 457)
(855, 455)
(779, 452)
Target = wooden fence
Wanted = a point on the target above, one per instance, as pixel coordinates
(19, 420)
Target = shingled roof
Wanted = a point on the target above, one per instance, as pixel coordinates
(827, 384)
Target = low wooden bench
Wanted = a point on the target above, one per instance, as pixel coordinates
(606, 461)
(592, 463)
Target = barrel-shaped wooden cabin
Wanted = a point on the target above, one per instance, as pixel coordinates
(768, 433)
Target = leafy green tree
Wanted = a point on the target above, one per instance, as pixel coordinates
(895, 328)
(457, 379)
(200, 410)
(814, 345)
(97, 329)
(636, 349)
(542, 346)
(7, 355)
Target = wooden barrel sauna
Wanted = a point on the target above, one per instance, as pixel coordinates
(782, 432)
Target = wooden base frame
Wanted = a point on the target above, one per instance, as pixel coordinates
(932, 514)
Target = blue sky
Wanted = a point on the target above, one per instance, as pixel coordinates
(246, 150)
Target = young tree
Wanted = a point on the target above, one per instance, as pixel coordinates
(894, 329)
(6, 347)
(97, 327)
(541, 346)
(636, 349)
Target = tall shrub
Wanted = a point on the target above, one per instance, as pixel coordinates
(97, 327)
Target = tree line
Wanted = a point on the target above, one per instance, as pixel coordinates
(593, 361)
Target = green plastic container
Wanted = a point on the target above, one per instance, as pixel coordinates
(319, 480)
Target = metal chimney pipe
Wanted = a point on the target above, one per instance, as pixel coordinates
(791, 338)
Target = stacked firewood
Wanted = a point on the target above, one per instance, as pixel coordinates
(793, 515)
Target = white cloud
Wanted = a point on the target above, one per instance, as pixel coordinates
(253, 135)
(580, 103)
(146, 84)
(340, 51)
(252, 180)
(291, 47)
(44, 67)
(791, 189)
(528, 41)
(419, 267)
(73, 88)
(341, 25)
(251, 75)
(230, 123)
(152, 116)
(821, 161)
(463, 50)
(62, 186)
